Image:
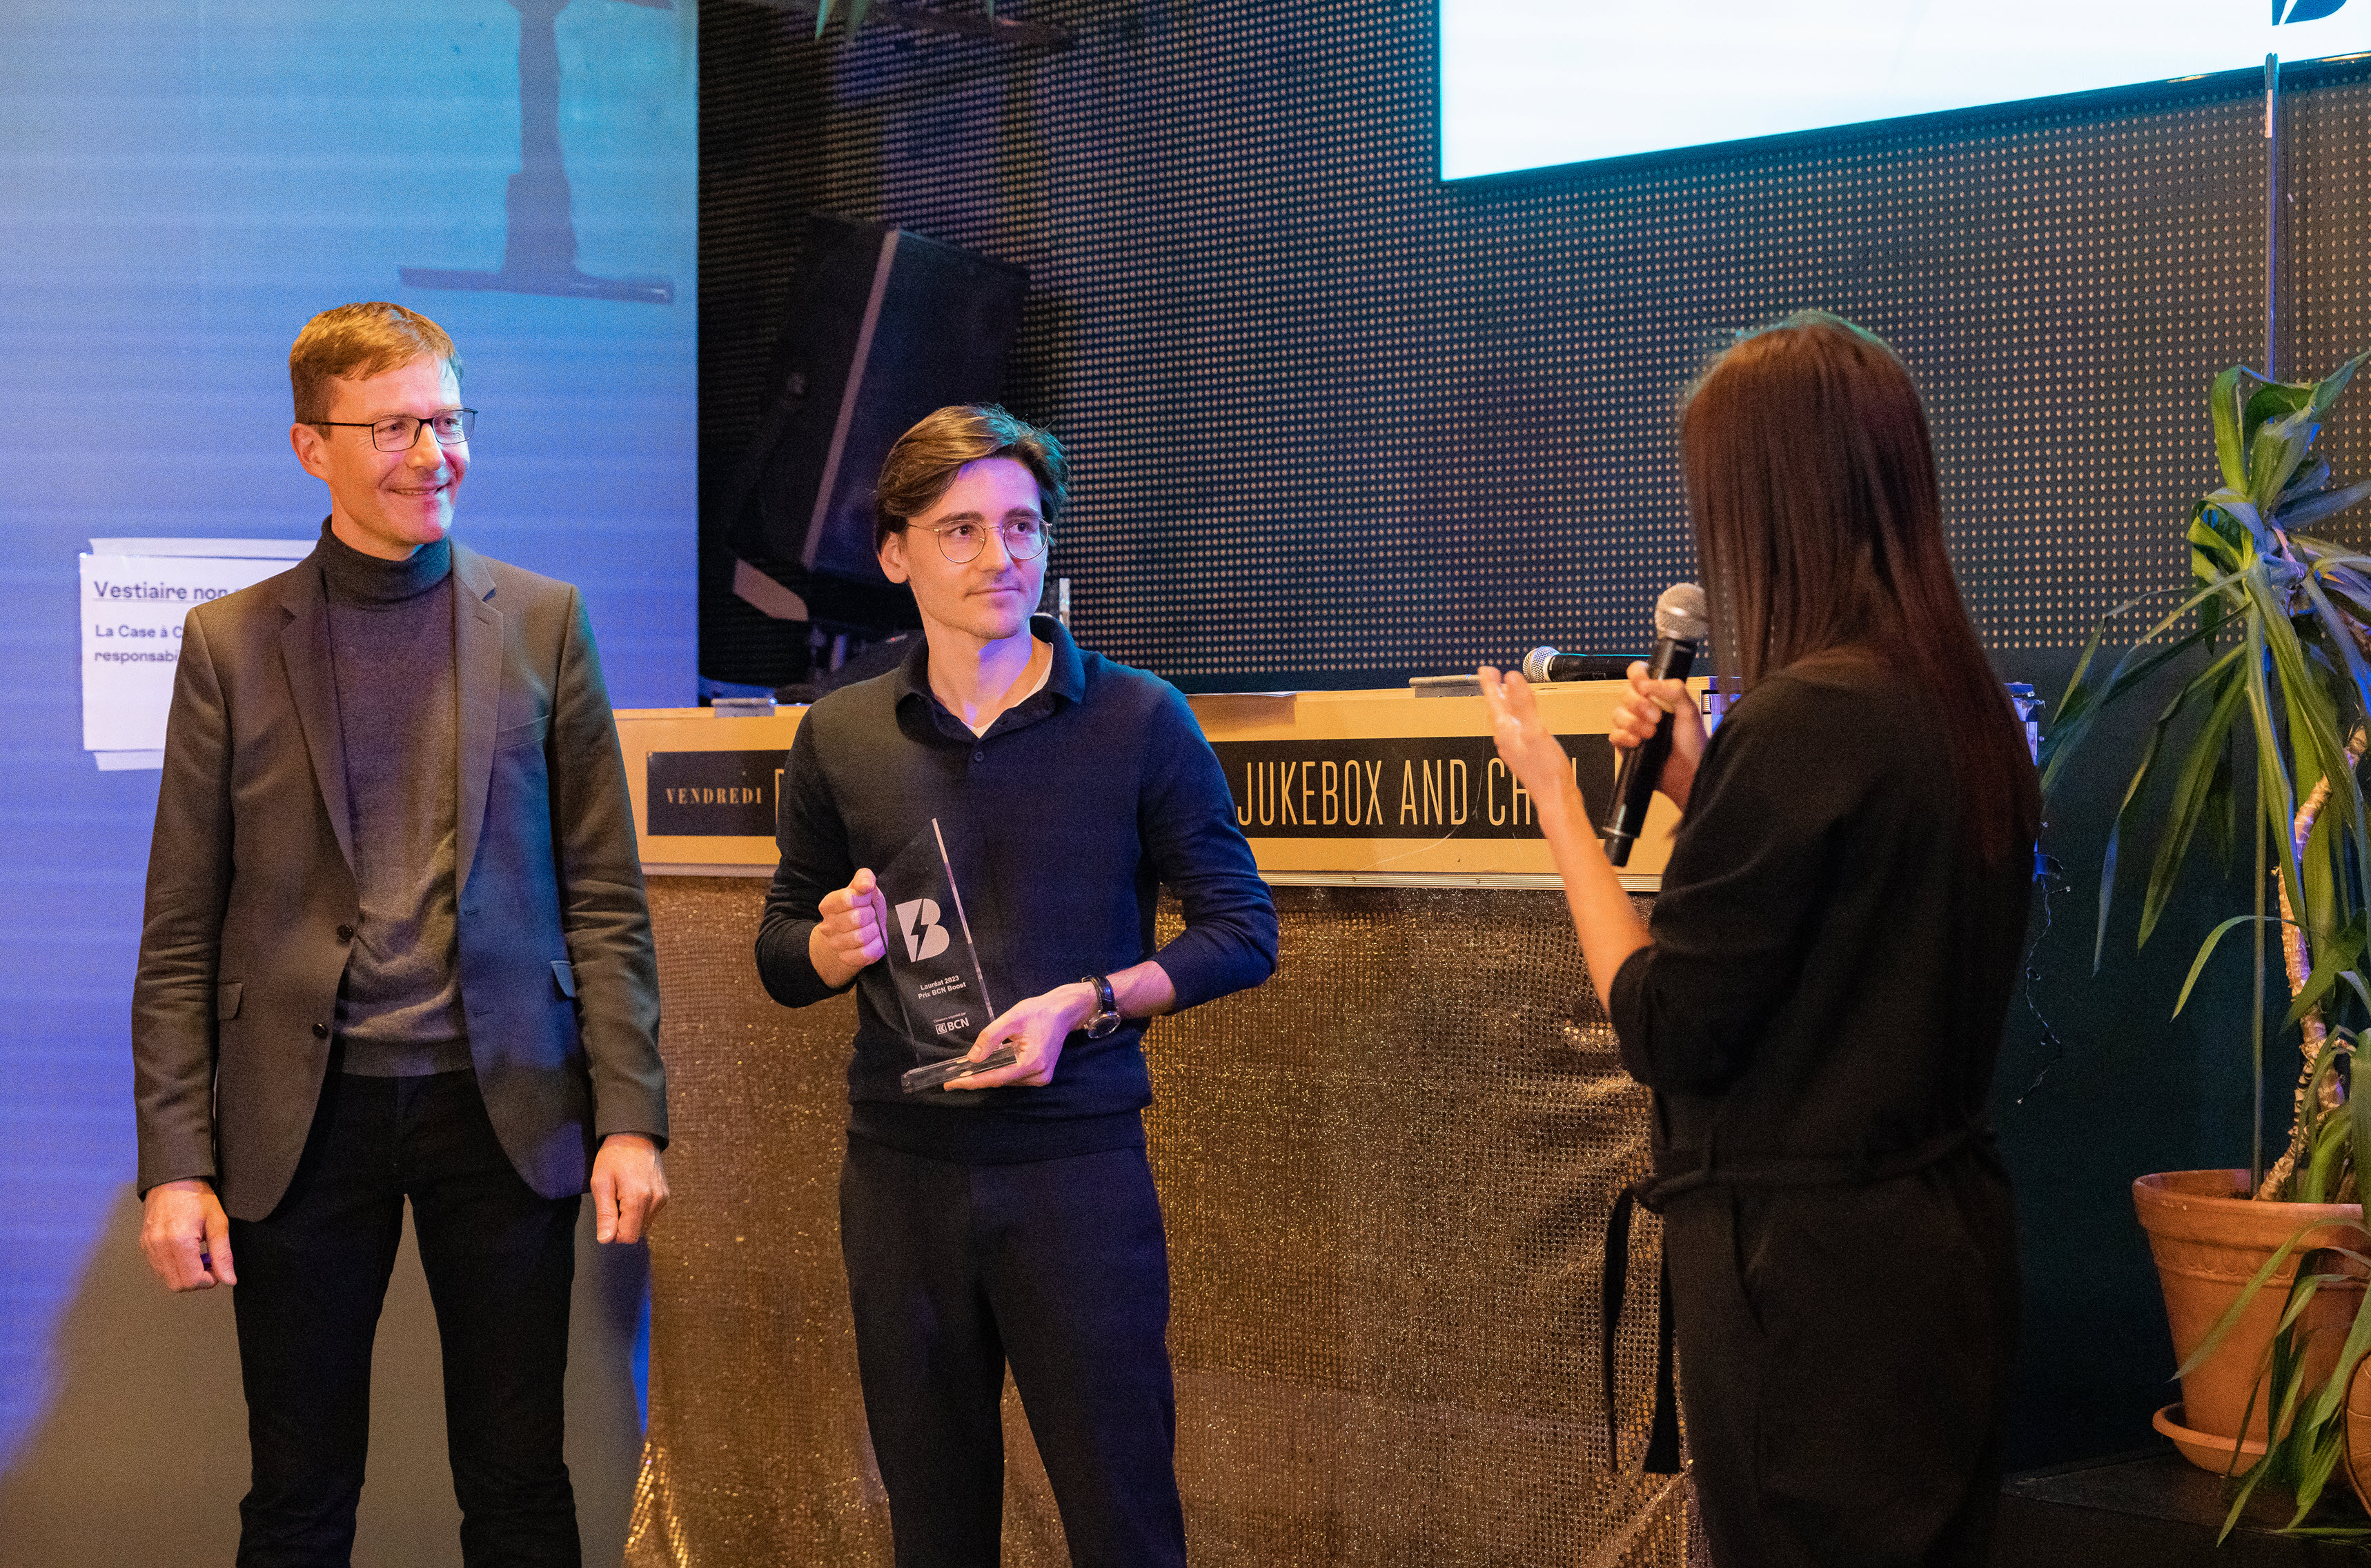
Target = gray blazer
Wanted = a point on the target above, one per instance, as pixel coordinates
(250, 884)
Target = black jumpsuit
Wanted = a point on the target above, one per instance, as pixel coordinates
(1819, 1016)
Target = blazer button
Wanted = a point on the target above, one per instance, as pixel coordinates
(345, 933)
(320, 1031)
(980, 757)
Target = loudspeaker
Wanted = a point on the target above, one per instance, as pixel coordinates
(884, 325)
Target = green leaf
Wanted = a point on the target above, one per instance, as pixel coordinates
(2302, 1288)
(2308, 509)
(2273, 400)
(2176, 838)
(2332, 558)
(2276, 454)
(2213, 529)
(2209, 753)
(2226, 401)
(2222, 809)
(2325, 1442)
(2329, 1146)
(2346, 790)
(2350, 1253)
(2081, 705)
(2349, 593)
(2246, 515)
(2136, 790)
(2319, 913)
(2313, 733)
(2337, 635)
(2206, 950)
(2306, 482)
(2332, 1397)
(2326, 392)
(2358, 1119)
(2276, 797)
(2248, 1485)
(823, 15)
(2342, 955)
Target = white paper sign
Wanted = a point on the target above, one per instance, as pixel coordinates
(133, 606)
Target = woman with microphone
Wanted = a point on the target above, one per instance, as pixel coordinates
(1818, 1000)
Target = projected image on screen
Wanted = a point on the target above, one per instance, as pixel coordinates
(1528, 83)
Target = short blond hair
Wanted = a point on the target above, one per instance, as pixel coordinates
(354, 342)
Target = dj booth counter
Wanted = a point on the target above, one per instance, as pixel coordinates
(1385, 1175)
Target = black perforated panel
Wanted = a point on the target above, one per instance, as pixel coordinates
(1339, 423)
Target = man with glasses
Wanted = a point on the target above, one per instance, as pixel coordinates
(1010, 1216)
(396, 947)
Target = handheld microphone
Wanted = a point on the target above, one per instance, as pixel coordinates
(1544, 665)
(1680, 625)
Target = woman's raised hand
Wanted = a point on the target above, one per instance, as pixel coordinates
(1526, 745)
(1610, 929)
(1638, 713)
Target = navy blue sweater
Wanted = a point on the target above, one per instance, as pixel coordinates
(1062, 823)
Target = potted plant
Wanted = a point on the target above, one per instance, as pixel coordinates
(2263, 1269)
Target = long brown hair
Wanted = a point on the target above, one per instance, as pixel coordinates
(1819, 528)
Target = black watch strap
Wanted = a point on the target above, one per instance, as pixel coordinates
(1106, 1018)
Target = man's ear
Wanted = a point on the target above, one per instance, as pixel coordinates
(893, 556)
(308, 442)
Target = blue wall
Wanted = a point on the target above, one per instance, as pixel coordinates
(182, 183)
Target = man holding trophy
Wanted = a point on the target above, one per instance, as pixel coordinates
(976, 841)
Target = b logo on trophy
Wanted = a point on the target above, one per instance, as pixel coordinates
(925, 937)
(942, 990)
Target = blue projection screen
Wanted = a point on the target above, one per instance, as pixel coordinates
(182, 183)
(1529, 83)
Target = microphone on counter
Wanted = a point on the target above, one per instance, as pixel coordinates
(1680, 625)
(1544, 664)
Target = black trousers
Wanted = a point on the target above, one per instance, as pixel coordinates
(1844, 1362)
(312, 1275)
(1058, 1267)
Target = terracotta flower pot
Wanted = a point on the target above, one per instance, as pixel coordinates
(2209, 1239)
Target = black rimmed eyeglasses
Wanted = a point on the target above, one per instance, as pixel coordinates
(397, 431)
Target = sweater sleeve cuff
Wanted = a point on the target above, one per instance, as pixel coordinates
(1188, 968)
(1200, 970)
(787, 973)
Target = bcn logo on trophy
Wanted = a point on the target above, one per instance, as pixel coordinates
(935, 968)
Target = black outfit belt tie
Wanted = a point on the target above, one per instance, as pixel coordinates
(1653, 1193)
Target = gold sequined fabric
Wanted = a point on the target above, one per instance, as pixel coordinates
(1385, 1173)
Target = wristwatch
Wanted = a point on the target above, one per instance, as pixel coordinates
(1107, 1015)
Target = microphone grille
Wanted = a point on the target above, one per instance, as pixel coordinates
(1536, 664)
(1679, 614)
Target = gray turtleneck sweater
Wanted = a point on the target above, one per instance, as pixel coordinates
(398, 714)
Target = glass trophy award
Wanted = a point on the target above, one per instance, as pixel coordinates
(933, 965)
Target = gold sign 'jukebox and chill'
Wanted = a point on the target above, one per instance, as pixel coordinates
(1339, 787)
